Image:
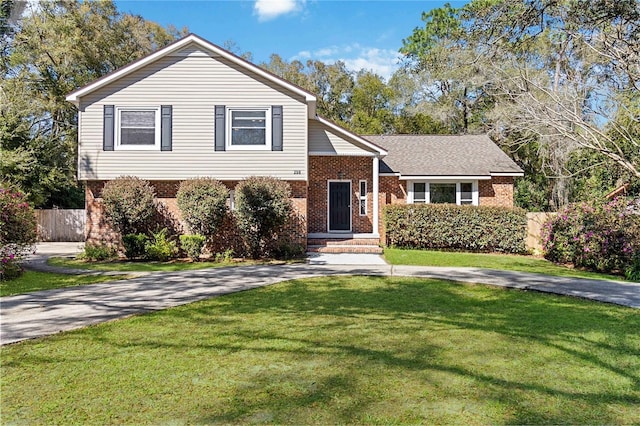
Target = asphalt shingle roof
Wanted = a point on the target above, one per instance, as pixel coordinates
(443, 155)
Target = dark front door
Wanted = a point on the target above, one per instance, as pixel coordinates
(339, 206)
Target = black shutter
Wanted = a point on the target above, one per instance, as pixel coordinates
(166, 112)
(108, 128)
(219, 130)
(276, 128)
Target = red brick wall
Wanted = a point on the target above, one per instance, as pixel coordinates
(99, 231)
(392, 191)
(354, 169)
(497, 192)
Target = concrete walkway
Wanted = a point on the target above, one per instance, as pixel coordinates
(48, 312)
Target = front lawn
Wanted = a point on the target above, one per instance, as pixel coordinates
(336, 350)
(146, 266)
(34, 281)
(509, 262)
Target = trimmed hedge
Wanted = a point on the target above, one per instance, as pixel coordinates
(452, 227)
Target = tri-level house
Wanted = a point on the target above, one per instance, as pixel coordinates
(193, 109)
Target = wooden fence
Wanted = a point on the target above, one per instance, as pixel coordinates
(535, 221)
(61, 225)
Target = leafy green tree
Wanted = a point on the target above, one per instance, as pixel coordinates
(56, 48)
(371, 104)
(558, 74)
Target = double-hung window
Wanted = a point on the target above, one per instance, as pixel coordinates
(250, 128)
(438, 192)
(138, 128)
(419, 193)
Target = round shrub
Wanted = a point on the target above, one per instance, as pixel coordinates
(134, 245)
(128, 204)
(18, 231)
(263, 207)
(603, 237)
(203, 204)
(192, 245)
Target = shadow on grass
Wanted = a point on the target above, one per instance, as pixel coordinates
(331, 350)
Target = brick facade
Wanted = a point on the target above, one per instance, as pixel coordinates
(325, 168)
(392, 191)
(98, 230)
(309, 202)
(497, 192)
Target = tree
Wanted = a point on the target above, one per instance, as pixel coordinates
(371, 105)
(560, 74)
(56, 48)
(448, 81)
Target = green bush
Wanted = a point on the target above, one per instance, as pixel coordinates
(192, 245)
(452, 227)
(98, 252)
(18, 231)
(224, 257)
(263, 206)
(134, 245)
(160, 248)
(603, 237)
(632, 273)
(203, 204)
(128, 204)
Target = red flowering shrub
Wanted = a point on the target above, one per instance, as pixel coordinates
(18, 228)
(595, 236)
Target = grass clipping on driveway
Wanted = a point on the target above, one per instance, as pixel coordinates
(339, 350)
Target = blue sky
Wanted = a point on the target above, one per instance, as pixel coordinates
(363, 34)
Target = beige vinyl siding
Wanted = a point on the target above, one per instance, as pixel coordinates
(193, 83)
(324, 141)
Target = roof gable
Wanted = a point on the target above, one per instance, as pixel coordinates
(176, 46)
(445, 156)
(357, 141)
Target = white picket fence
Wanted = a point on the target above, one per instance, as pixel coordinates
(61, 224)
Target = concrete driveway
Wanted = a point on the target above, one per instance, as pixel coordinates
(48, 312)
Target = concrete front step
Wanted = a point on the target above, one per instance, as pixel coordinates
(343, 241)
(347, 248)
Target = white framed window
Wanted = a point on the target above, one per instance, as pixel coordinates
(465, 194)
(445, 191)
(137, 128)
(249, 128)
(420, 195)
(362, 197)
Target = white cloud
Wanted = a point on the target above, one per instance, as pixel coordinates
(383, 62)
(271, 9)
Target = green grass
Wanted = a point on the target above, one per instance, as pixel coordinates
(139, 266)
(34, 281)
(336, 350)
(507, 262)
